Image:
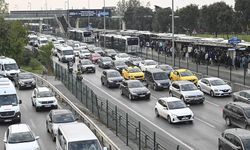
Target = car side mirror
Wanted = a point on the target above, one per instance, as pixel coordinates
(37, 137)
(105, 148)
(20, 102)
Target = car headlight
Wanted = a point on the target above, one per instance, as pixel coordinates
(34, 81)
(173, 116)
(21, 82)
(148, 92)
(133, 93)
(159, 84)
(216, 90)
(110, 81)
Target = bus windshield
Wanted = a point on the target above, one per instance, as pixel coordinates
(8, 100)
(133, 41)
(87, 34)
(68, 52)
(85, 145)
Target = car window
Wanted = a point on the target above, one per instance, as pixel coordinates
(247, 95)
(63, 118)
(186, 73)
(247, 112)
(217, 82)
(188, 87)
(243, 94)
(240, 112)
(44, 94)
(113, 74)
(135, 84)
(21, 137)
(246, 144)
(176, 105)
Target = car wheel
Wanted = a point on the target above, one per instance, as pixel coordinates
(183, 99)
(130, 96)
(32, 103)
(155, 87)
(220, 148)
(19, 87)
(169, 119)
(212, 93)
(170, 94)
(247, 127)
(53, 136)
(228, 121)
(121, 91)
(199, 87)
(102, 82)
(37, 109)
(157, 113)
(18, 120)
(108, 85)
(47, 127)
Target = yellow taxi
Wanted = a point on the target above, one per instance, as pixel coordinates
(133, 73)
(183, 74)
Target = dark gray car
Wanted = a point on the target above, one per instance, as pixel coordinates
(86, 65)
(25, 80)
(242, 96)
(110, 53)
(111, 78)
(119, 65)
(105, 62)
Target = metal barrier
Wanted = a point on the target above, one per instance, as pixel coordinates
(131, 131)
(105, 140)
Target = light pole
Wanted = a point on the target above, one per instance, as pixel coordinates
(88, 14)
(104, 24)
(173, 48)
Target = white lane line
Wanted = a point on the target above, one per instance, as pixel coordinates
(169, 134)
(204, 122)
(212, 103)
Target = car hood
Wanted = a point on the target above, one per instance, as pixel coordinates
(181, 112)
(189, 78)
(150, 66)
(85, 66)
(221, 87)
(27, 80)
(136, 74)
(107, 62)
(116, 78)
(139, 90)
(23, 146)
(84, 54)
(46, 98)
(122, 67)
(192, 93)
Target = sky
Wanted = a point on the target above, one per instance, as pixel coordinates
(97, 4)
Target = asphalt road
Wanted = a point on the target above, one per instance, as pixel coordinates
(202, 134)
(36, 121)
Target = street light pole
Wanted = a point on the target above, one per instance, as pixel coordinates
(104, 22)
(88, 14)
(173, 48)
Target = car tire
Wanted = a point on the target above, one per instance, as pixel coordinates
(212, 93)
(170, 94)
(32, 103)
(220, 148)
(169, 120)
(121, 92)
(37, 109)
(155, 87)
(130, 96)
(199, 87)
(108, 85)
(247, 127)
(102, 82)
(18, 120)
(53, 136)
(47, 128)
(183, 99)
(19, 87)
(228, 121)
(157, 113)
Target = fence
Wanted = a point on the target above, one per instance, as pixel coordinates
(134, 133)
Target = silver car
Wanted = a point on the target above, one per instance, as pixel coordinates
(242, 96)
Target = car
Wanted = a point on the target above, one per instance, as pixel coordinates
(58, 117)
(133, 73)
(122, 57)
(20, 137)
(85, 65)
(167, 68)
(242, 96)
(94, 57)
(134, 61)
(25, 80)
(105, 62)
(84, 54)
(238, 114)
(174, 110)
(157, 79)
(42, 97)
(234, 139)
(183, 74)
(110, 53)
(134, 89)
(91, 48)
(214, 86)
(98, 50)
(186, 91)
(111, 78)
(147, 64)
(118, 65)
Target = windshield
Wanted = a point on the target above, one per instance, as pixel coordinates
(25, 76)
(84, 145)
(8, 100)
(84, 52)
(106, 59)
(68, 52)
(123, 55)
(247, 111)
(113, 74)
(135, 84)
(111, 52)
(176, 105)
(186, 73)
(188, 87)
(9, 67)
(246, 143)
(44, 94)
(217, 82)
(150, 63)
(120, 63)
(21, 137)
(97, 49)
(160, 76)
(96, 55)
(133, 70)
(133, 41)
(86, 63)
(63, 118)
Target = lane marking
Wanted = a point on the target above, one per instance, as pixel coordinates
(205, 122)
(169, 134)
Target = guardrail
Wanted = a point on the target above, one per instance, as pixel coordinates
(105, 140)
(131, 131)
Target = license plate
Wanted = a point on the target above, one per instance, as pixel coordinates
(28, 85)
(142, 95)
(89, 69)
(184, 118)
(8, 120)
(47, 106)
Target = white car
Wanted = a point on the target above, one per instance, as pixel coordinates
(122, 57)
(147, 64)
(187, 92)
(84, 54)
(214, 86)
(42, 97)
(20, 137)
(56, 118)
(174, 110)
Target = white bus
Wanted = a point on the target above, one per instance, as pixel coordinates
(65, 53)
(85, 36)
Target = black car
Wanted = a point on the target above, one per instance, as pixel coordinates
(238, 114)
(167, 68)
(86, 65)
(24, 80)
(119, 65)
(105, 62)
(234, 139)
(134, 61)
(110, 53)
(111, 78)
(157, 79)
(134, 89)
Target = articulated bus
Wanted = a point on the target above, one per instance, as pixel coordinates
(81, 35)
(125, 44)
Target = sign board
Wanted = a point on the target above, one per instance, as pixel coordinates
(234, 40)
(78, 13)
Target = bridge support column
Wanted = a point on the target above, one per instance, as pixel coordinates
(77, 22)
(40, 25)
(123, 25)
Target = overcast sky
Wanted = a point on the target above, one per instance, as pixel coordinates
(79, 4)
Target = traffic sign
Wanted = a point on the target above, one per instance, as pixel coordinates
(78, 13)
(234, 40)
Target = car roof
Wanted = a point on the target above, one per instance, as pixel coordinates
(241, 104)
(110, 70)
(181, 70)
(170, 99)
(42, 89)
(18, 128)
(132, 67)
(212, 78)
(60, 111)
(183, 82)
(148, 60)
(154, 70)
(131, 81)
(242, 133)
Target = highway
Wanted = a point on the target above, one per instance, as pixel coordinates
(36, 121)
(202, 134)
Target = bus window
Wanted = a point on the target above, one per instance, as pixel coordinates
(133, 41)
(87, 34)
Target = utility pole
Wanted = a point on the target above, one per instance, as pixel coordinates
(104, 22)
(173, 48)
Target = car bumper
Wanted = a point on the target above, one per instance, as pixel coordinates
(114, 84)
(220, 93)
(14, 118)
(88, 69)
(144, 96)
(49, 105)
(32, 85)
(195, 100)
(176, 119)
(163, 86)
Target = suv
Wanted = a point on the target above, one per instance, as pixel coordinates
(157, 79)
(111, 78)
(25, 80)
(85, 65)
(43, 97)
(234, 139)
(238, 114)
(186, 91)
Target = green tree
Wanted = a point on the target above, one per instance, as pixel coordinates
(44, 56)
(162, 19)
(3, 7)
(243, 9)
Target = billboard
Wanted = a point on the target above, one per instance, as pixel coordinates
(78, 13)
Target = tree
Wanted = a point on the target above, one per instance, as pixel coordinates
(162, 20)
(45, 56)
(3, 7)
(242, 8)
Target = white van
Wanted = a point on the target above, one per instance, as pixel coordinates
(42, 41)
(9, 102)
(8, 67)
(77, 136)
(65, 53)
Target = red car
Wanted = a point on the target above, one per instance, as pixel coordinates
(94, 57)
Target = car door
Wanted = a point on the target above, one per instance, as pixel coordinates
(243, 97)
(33, 97)
(228, 143)
(126, 89)
(49, 122)
(178, 91)
(240, 120)
(159, 107)
(207, 86)
(234, 115)
(165, 110)
(202, 85)
(6, 136)
(173, 89)
(174, 75)
(125, 73)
